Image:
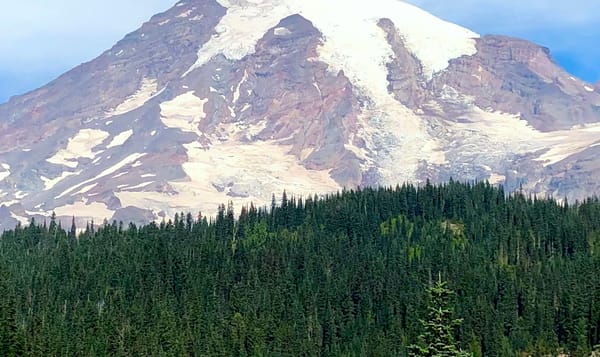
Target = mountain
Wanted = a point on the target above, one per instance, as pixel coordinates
(236, 100)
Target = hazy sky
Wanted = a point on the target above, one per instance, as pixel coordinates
(40, 39)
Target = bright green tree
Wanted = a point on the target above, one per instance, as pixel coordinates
(437, 339)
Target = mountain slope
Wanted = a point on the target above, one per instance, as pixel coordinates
(235, 100)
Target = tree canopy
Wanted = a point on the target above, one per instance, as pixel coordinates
(355, 273)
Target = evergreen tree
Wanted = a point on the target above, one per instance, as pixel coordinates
(437, 339)
(324, 276)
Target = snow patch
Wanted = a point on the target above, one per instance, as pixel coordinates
(9, 203)
(79, 147)
(86, 189)
(5, 172)
(120, 174)
(185, 112)
(240, 29)
(120, 139)
(232, 111)
(588, 88)
(185, 14)
(495, 179)
(126, 161)
(142, 185)
(98, 211)
(162, 23)
(50, 183)
(495, 135)
(565, 143)
(21, 219)
(282, 31)
(236, 93)
(37, 213)
(148, 90)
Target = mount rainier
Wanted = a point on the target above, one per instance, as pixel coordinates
(235, 100)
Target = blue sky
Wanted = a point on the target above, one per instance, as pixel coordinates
(570, 29)
(41, 39)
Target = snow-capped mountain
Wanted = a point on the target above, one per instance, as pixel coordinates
(236, 100)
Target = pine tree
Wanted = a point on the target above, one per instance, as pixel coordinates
(438, 336)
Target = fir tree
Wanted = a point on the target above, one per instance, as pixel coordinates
(437, 339)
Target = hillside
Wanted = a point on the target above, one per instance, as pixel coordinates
(340, 276)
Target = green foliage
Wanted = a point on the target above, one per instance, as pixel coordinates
(438, 336)
(333, 276)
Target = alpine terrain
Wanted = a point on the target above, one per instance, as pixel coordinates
(236, 100)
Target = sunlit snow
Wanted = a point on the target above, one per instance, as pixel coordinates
(351, 39)
(148, 89)
(4, 171)
(50, 183)
(126, 161)
(83, 209)
(184, 112)
(79, 147)
(120, 139)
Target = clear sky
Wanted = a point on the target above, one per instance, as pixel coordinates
(41, 39)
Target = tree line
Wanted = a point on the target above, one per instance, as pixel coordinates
(349, 274)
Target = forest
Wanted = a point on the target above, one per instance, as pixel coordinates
(347, 274)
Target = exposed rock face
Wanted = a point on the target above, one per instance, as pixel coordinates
(406, 78)
(516, 76)
(161, 50)
(214, 101)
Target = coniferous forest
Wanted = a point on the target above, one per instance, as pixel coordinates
(350, 274)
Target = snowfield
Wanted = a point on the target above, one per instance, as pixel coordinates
(120, 139)
(184, 112)
(148, 90)
(352, 42)
(355, 44)
(79, 147)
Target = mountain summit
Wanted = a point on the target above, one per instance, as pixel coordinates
(236, 100)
